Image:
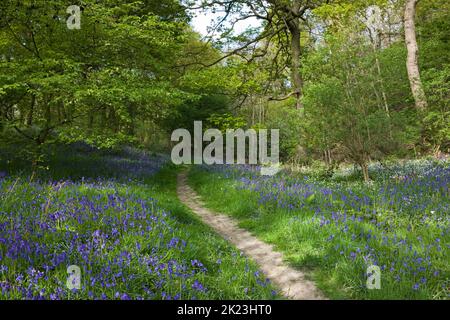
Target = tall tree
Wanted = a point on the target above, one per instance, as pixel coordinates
(412, 58)
(282, 24)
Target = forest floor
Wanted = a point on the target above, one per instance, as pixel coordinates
(292, 283)
(117, 215)
(336, 228)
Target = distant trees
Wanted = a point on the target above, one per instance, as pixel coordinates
(136, 71)
(357, 93)
(344, 112)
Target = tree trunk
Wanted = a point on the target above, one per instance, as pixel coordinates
(90, 121)
(294, 29)
(411, 61)
(365, 171)
(31, 111)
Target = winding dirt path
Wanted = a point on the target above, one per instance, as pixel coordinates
(292, 283)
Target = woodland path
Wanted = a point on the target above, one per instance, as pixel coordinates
(292, 283)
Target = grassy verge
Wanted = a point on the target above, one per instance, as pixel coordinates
(118, 218)
(337, 229)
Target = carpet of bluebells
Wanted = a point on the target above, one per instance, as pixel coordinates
(106, 220)
(340, 226)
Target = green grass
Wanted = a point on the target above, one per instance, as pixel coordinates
(307, 245)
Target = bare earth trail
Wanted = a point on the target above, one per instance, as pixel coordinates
(292, 283)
